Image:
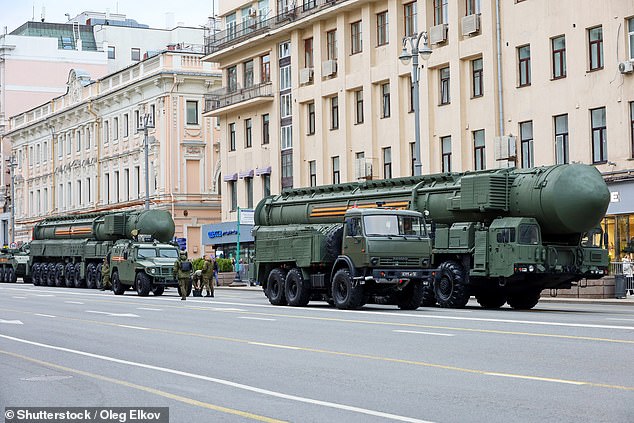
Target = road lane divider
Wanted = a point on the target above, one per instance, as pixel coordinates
(424, 333)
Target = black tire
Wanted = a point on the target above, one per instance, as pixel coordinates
(117, 287)
(296, 289)
(2, 274)
(35, 274)
(11, 276)
(412, 296)
(275, 287)
(344, 293)
(91, 280)
(59, 274)
(98, 279)
(158, 290)
(491, 298)
(50, 274)
(78, 281)
(429, 298)
(333, 243)
(143, 284)
(450, 289)
(524, 300)
(69, 275)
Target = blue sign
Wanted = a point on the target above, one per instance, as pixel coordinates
(226, 233)
(182, 243)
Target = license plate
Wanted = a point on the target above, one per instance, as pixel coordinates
(409, 274)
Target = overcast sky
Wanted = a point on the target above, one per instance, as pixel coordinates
(14, 13)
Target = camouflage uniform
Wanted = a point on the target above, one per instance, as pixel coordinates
(183, 276)
(105, 275)
(208, 273)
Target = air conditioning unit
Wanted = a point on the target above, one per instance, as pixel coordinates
(505, 148)
(253, 13)
(329, 67)
(438, 34)
(362, 168)
(470, 24)
(626, 67)
(306, 75)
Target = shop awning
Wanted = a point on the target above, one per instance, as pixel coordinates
(263, 171)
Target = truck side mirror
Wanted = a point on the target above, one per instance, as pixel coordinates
(125, 255)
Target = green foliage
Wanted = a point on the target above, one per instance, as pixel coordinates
(224, 265)
(198, 263)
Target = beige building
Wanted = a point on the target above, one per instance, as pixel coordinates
(314, 92)
(84, 151)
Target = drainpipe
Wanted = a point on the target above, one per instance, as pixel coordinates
(499, 60)
(98, 141)
(172, 138)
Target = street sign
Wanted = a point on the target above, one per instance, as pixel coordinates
(247, 217)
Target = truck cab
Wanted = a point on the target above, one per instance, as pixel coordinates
(144, 265)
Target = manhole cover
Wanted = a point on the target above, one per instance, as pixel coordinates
(45, 378)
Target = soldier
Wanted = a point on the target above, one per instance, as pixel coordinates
(182, 272)
(208, 273)
(105, 274)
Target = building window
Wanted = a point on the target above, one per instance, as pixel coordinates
(334, 112)
(286, 137)
(192, 112)
(473, 7)
(248, 137)
(232, 137)
(336, 173)
(106, 132)
(409, 17)
(232, 79)
(358, 98)
(526, 141)
(412, 158)
(561, 139)
(476, 78)
(248, 184)
(630, 36)
(524, 57)
(599, 135)
(285, 78)
(115, 128)
(233, 189)
(266, 185)
(284, 49)
(385, 100)
(331, 44)
(137, 120)
(595, 39)
(444, 86)
(265, 68)
(265, 129)
(287, 169)
(111, 52)
(87, 138)
(355, 38)
(285, 105)
(312, 173)
(558, 45)
(412, 94)
(248, 74)
(126, 126)
(441, 9)
(387, 163)
(311, 118)
(445, 143)
(381, 29)
(78, 139)
(479, 158)
(308, 53)
(135, 54)
(632, 127)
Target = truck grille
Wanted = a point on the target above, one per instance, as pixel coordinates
(399, 261)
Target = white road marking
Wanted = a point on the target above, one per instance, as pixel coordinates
(621, 320)
(73, 302)
(44, 315)
(424, 333)
(541, 379)
(255, 318)
(286, 347)
(44, 295)
(112, 314)
(149, 309)
(11, 322)
(225, 382)
(132, 327)
(20, 298)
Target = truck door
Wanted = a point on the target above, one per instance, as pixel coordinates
(354, 245)
(502, 253)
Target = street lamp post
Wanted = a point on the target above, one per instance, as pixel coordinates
(147, 124)
(405, 57)
(12, 165)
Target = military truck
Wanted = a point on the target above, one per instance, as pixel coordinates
(69, 250)
(364, 255)
(14, 264)
(144, 264)
(502, 235)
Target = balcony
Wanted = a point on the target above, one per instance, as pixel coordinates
(222, 100)
(260, 24)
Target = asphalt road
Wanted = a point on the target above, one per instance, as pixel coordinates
(236, 358)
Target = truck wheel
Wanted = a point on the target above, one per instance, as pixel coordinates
(429, 298)
(412, 296)
(275, 287)
(524, 300)
(158, 290)
(117, 287)
(491, 298)
(98, 281)
(344, 293)
(59, 274)
(143, 284)
(450, 290)
(69, 278)
(49, 272)
(35, 274)
(333, 243)
(78, 281)
(296, 290)
(12, 278)
(91, 281)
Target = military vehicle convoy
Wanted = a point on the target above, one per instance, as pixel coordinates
(501, 235)
(69, 250)
(351, 258)
(14, 264)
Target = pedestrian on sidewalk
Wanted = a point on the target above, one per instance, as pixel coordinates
(628, 271)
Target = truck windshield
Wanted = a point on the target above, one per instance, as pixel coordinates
(592, 238)
(529, 234)
(146, 253)
(386, 224)
(168, 252)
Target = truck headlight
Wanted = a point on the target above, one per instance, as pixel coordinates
(531, 268)
(374, 261)
(152, 270)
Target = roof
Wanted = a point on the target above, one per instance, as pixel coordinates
(63, 33)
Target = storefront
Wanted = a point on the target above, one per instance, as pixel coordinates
(619, 219)
(223, 237)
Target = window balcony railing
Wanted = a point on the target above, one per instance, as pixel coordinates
(225, 98)
(256, 25)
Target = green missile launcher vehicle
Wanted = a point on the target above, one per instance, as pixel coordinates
(14, 264)
(502, 235)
